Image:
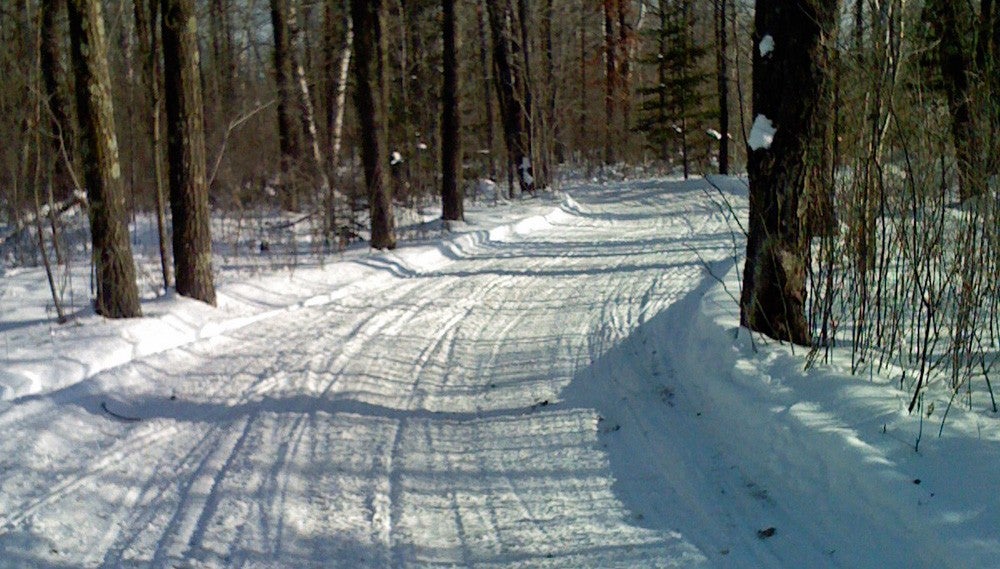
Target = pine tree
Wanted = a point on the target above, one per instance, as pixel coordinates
(671, 108)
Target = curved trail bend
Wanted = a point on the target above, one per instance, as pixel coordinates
(471, 413)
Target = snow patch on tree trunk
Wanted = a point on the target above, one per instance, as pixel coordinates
(762, 133)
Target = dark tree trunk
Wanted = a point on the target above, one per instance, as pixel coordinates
(146, 17)
(784, 172)
(557, 148)
(624, 60)
(513, 111)
(289, 131)
(52, 73)
(368, 90)
(610, 81)
(956, 67)
(117, 293)
(186, 152)
(723, 82)
(487, 89)
(451, 154)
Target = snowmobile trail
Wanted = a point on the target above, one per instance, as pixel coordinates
(452, 413)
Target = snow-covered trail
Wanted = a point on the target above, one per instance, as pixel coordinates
(556, 392)
(430, 420)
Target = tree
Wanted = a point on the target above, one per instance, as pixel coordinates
(721, 66)
(512, 89)
(117, 293)
(966, 73)
(58, 106)
(785, 165)
(368, 89)
(451, 154)
(674, 103)
(289, 135)
(186, 152)
(147, 13)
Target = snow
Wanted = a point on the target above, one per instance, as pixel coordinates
(563, 383)
(761, 133)
(766, 45)
(525, 168)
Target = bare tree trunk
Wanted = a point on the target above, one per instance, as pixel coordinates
(117, 293)
(514, 113)
(337, 85)
(487, 89)
(721, 54)
(956, 67)
(785, 162)
(368, 93)
(186, 152)
(147, 14)
(288, 129)
(451, 149)
(610, 81)
(305, 100)
(552, 122)
(58, 106)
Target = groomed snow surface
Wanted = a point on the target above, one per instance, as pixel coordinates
(568, 389)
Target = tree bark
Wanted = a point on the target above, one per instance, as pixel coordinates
(58, 106)
(610, 81)
(451, 153)
(368, 93)
(956, 67)
(723, 82)
(288, 129)
(337, 84)
(784, 172)
(186, 152)
(146, 17)
(117, 293)
(487, 89)
(513, 110)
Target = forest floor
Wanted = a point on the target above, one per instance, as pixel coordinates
(557, 383)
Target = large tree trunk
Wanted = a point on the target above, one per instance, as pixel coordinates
(451, 150)
(186, 152)
(784, 170)
(289, 134)
(117, 293)
(368, 91)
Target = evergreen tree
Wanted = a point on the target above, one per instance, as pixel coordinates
(671, 108)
